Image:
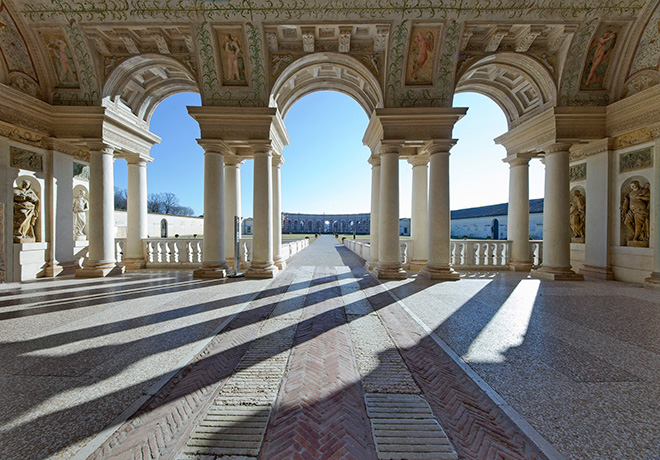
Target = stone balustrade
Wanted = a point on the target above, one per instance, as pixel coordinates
(187, 252)
(467, 255)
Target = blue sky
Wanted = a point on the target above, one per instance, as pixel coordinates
(326, 167)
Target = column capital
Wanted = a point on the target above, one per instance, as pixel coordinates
(278, 160)
(393, 147)
(559, 147)
(439, 146)
(262, 149)
(518, 159)
(215, 146)
(234, 160)
(419, 160)
(137, 160)
(100, 147)
(374, 161)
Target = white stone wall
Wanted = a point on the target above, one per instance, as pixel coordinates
(176, 225)
(481, 227)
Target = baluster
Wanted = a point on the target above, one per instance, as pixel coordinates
(176, 256)
(159, 253)
(402, 251)
(149, 251)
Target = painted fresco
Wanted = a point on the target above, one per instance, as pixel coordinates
(14, 50)
(422, 55)
(233, 57)
(599, 56)
(61, 56)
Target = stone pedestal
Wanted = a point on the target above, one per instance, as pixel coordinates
(101, 258)
(213, 252)
(439, 226)
(556, 219)
(389, 263)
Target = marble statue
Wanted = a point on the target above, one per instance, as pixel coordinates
(577, 216)
(635, 213)
(80, 208)
(26, 211)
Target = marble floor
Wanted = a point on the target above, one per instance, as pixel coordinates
(324, 361)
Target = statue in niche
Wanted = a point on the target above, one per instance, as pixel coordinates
(577, 216)
(80, 208)
(26, 211)
(635, 213)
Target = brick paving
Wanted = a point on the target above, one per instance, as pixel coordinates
(327, 365)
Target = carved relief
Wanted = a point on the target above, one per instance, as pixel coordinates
(80, 209)
(422, 55)
(24, 159)
(577, 172)
(633, 138)
(233, 58)
(633, 161)
(80, 171)
(578, 208)
(635, 205)
(62, 59)
(599, 56)
(26, 212)
(641, 81)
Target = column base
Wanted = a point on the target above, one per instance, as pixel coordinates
(520, 266)
(444, 273)
(371, 264)
(214, 271)
(53, 269)
(134, 263)
(653, 281)
(261, 271)
(603, 273)
(99, 270)
(417, 265)
(556, 274)
(279, 263)
(390, 272)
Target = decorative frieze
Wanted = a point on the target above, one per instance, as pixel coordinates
(25, 159)
(80, 171)
(577, 172)
(633, 161)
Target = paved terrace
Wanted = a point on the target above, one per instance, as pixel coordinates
(326, 362)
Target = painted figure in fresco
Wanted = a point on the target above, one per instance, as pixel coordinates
(26, 211)
(234, 56)
(635, 211)
(80, 208)
(577, 213)
(423, 46)
(63, 64)
(603, 49)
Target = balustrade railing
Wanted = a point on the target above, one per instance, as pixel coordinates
(468, 255)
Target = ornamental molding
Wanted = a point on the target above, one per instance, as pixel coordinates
(581, 151)
(634, 113)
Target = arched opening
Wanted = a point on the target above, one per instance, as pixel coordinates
(495, 229)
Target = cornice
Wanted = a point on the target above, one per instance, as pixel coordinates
(633, 113)
(583, 150)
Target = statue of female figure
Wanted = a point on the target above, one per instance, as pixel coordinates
(26, 211)
(635, 211)
(577, 214)
(80, 208)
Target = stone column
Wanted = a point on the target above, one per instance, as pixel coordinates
(136, 215)
(50, 207)
(518, 213)
(213, 252)
(232, 204)
(389, 259)
(419, 216)
(262, 231)
(101, 257)
(375, 211)
(439, 233)
(556, 218)
(279, 262)
(654, 241)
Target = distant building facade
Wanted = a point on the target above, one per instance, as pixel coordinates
(491, 221)
(326, 223)
(404, 226)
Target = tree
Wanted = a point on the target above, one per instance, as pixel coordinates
(167, 203)
(120, 198)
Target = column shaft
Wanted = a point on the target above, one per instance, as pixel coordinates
(518, 213)
(419, 215)
(375, 212)
(277, 212)
(213, 252)
(262, 240)
(232, 205)
(439, 225)
(556, 218)
(137, 227)
(389, 260)
(101, 256)
(654, 279)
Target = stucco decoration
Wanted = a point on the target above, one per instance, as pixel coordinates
(422, 55)
(640, 81)
(18, 61)
(599, 56)
(633, 161)
(578, 208)
(80, 171)
(26, 212)
(62, 59)
(233, 57)
(87, 90)
(25, 159)
(647, 52)
(635, 210)
(577, 172)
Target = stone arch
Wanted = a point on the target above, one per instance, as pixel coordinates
(163, 228)
(327, 71)
(519, 84)
(142, 82)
